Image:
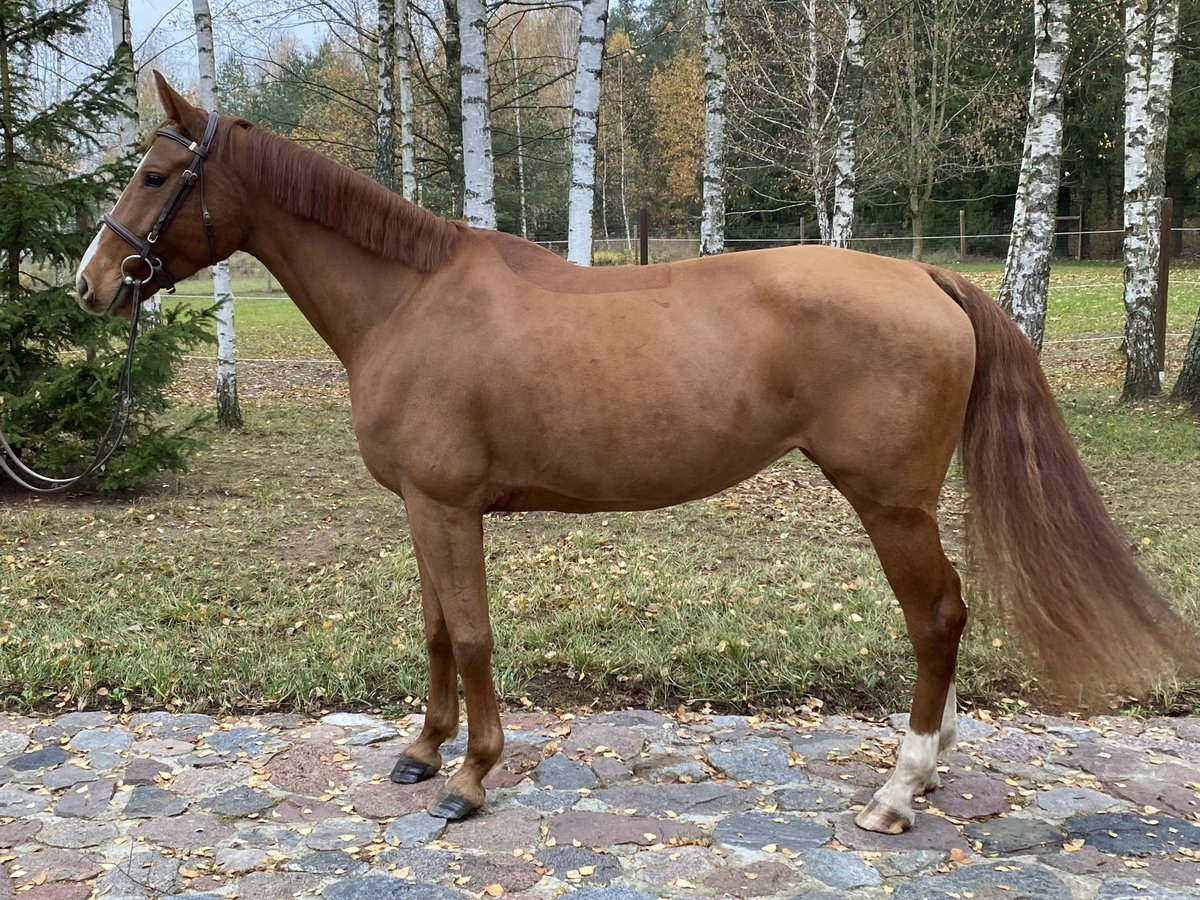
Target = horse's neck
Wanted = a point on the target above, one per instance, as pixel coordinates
(344, 291)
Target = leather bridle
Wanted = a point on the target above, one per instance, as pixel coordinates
(10, 463)
(145, 248)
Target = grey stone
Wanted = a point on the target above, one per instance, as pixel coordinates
(277, 885)
(243, 741)
(1129, 834)
(612, 771)
(624, 740)
(240, 801)
(383, 887)
(909, 863)
(284, 721)
(88, 800)
(662, 867)
(350, 720)
(414, 830)
(819, 744)
(659, 768)
(67, 776)
(148, 802)
(75, 835)
(240, 860)
(839, 869)
(508, 829)
(1014, 836)
(327, 862)
(985, 883)
(1073, 801)
(18, 832)
(187, 832)
(12, 743)
(20, 802)
(564, 774)
(704, 799)
(180, 726)
(374, 735)
(37, 760)
(610, 893)
(755, 830)
(561, 860)
(69, 724)
(602, 829)
(144, 771)
(757, 759)
(928, 832)
(111, 739)
(422, 865)
(810, 798)
(341, 834)
(55, 864)
(1136, 889)
(549, 801)
(138, 875)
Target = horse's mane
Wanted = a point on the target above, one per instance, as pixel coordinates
(316, 188)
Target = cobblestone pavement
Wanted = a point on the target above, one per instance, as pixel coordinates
(611, 806)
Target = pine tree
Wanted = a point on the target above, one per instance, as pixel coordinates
(58, 366)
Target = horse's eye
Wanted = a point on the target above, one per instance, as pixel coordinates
(155, 180)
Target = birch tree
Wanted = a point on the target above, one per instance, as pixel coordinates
(1187, 388)
(1026, 281)
(385, 92)
(1150, 35)
(841, 225)
(229, 412)
(479, 203)
(585, 116)
(712, 221)
(404, 44)
(127, 121)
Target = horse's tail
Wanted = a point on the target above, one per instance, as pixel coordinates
(1039, 529)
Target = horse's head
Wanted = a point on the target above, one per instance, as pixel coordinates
(176, 216)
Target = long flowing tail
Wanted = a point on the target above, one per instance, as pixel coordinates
(1049, 551)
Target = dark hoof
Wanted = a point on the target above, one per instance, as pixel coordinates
(410, 771)
(452, 807)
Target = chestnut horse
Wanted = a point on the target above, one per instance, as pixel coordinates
(487, 374)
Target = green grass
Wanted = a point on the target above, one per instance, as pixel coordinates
(278, 574)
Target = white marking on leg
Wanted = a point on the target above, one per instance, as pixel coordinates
(949, 730)
(915, 773)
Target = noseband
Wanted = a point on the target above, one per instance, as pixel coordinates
(10, 463)
(145, 248)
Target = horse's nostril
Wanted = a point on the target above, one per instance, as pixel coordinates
(82, 288)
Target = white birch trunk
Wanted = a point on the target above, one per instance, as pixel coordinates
(127, 123)
(1149, 63)
(408, 162)
(229, 412)
(479, 204)
(816, 147)
(1026, 282)
(841, 227)
(585, 117)
(712, 221)
(520, 138)
(385, 92)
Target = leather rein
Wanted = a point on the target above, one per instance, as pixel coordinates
(10, 463)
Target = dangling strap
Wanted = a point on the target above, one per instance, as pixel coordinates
(32, 480)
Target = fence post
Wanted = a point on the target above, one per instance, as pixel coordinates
(643, 237)
(962, 235)
(1164, 277)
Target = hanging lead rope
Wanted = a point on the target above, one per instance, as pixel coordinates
(32, 480)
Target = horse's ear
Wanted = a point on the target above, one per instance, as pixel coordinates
(176, 108)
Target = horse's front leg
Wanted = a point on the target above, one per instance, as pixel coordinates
(451, 557)
(423, 758)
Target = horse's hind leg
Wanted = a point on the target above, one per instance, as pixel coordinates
(927, 587)
(423, 758)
